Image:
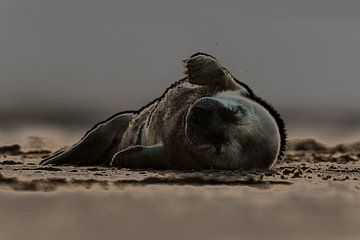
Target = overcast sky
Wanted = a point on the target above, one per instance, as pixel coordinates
(106, 56)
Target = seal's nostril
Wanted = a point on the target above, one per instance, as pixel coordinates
(199, 109)
(203, 111)
(194, 119)
(200, 115)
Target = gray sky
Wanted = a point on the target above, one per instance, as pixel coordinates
(86, 56)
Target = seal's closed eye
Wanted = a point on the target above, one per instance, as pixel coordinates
(238, 109)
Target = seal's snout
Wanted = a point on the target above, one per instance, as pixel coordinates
(209, 112)
(202, 114)
(205, 121)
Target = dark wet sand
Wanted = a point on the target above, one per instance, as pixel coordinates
(312, 194)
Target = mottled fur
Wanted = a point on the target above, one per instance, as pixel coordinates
(157, 136)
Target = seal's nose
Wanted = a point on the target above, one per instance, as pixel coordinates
(200, 115)
(206, 121)
(204, 111)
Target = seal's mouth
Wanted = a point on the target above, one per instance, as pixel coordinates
(204, 137)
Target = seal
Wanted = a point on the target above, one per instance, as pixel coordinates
(206, 120)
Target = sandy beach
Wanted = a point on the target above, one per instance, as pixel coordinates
(312, 194)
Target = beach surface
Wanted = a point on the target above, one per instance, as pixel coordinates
(312, 194)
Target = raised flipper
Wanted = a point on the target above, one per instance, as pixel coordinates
(203, 69)
(141, 157)
(97, 147)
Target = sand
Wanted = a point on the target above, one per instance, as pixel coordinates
(312, 194)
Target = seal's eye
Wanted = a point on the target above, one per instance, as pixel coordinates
(234, 114)
(238, 109)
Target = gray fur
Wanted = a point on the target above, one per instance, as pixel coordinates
(206, 120)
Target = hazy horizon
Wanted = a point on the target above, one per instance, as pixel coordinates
(78, 62)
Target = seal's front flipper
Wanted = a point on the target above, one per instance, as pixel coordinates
(141, 157)
(97, 147)
(203, 69)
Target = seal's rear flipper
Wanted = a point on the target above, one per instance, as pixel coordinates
(97, 147)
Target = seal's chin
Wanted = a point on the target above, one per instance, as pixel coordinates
(206, 149)
(204, 140)
(199, 135)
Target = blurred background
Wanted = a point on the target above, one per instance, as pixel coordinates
(65, 65)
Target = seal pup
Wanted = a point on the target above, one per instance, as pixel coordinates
(208, 119)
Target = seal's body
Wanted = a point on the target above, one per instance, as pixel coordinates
(206, 120)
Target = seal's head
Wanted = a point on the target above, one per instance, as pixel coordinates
(232, 131)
